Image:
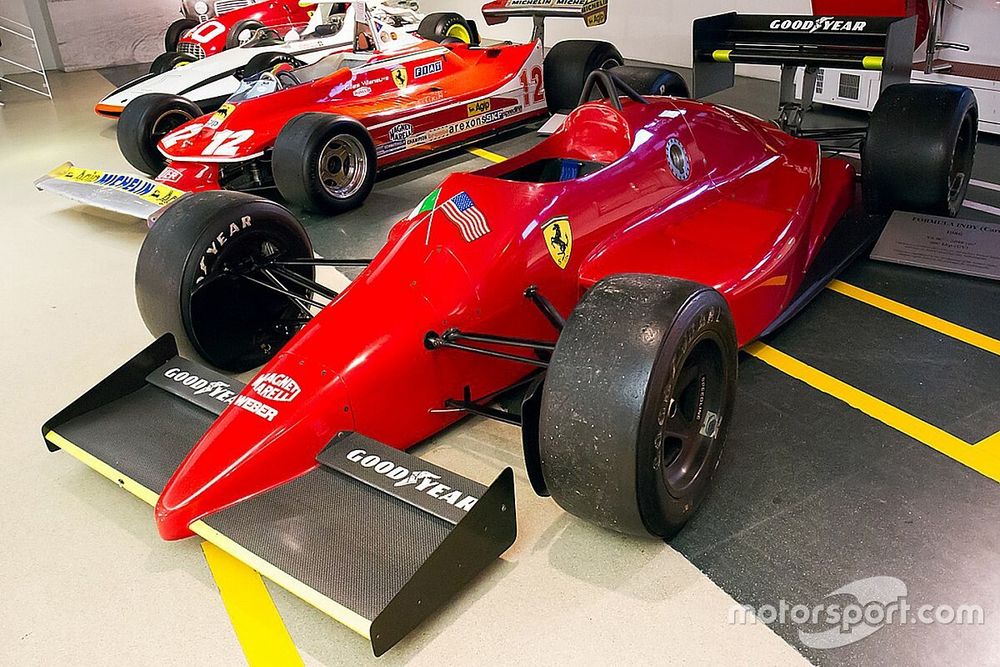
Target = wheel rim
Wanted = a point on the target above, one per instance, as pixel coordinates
(961, 164)
(690, 417)
(238, 324)
(459, 31)
(167, 122)
(343, 166)
(180, 64)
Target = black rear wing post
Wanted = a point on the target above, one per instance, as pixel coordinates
(811, 42)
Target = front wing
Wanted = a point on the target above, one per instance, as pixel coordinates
(373, 553)
(129, 195)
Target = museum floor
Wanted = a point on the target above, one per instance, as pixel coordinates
(813, 494)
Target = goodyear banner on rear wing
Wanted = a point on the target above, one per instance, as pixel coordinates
(883, 44)
(593, 12)
(129, 195)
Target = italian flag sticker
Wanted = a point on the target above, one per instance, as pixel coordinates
(428, 204)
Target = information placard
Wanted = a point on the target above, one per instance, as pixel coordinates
(969, 247)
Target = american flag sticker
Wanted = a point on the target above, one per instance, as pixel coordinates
(470, 221)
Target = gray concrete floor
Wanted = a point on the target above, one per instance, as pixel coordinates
(85, 578)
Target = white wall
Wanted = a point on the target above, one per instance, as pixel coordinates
(653, 30)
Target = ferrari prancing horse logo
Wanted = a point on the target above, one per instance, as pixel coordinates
(558, 237)
(400, 77)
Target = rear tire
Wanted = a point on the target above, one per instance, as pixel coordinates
(176, 31)
(656, 81)
(636, 403)
(919, 149)
(440, 25)
(147, 119)
(182, 285)
(324, 162)
(567, 66)
(170, 60)
(241, 32)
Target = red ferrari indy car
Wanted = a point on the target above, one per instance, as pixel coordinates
(652, 238)
(319, 133)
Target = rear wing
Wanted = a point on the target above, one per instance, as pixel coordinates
(846, 42)
(593, 12)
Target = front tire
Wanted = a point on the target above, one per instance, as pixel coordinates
(241, 32)
(147, 119)
(636, 403)
(919, 149)
(187, 278)
(324, 162)
(176, 31)
(567, 66)
(170, 60)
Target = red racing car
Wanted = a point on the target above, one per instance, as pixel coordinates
(235, 28)
(320, 133)
(652, 237)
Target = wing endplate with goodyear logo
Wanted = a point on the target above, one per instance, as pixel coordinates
(593, 12)
(129, 195)
(374, 537)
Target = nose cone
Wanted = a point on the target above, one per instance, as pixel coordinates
(270, 434)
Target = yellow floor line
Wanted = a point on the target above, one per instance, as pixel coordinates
(259, 628)
(486, 155)
(983, 458)
(974, 338)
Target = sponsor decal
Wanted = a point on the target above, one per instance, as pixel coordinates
(390, 148)
(199, 386)
(478, 107)
(443, 133)
(465, 215)
(677, 158)
(169, 175)
(363, 91)
(151, 191)
(558, 237)
(276, 387)
(400, 132)
(399, 77)
(427, 69)
(220, 116)
(594, 12)
(818, 24)
(220, 240)
(254, 406)
(432, 96)
(422, 481)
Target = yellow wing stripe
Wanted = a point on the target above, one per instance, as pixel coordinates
(337, 611)
(91, 461)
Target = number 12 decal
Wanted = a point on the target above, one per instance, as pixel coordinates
(538, 95)
(227, 142)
